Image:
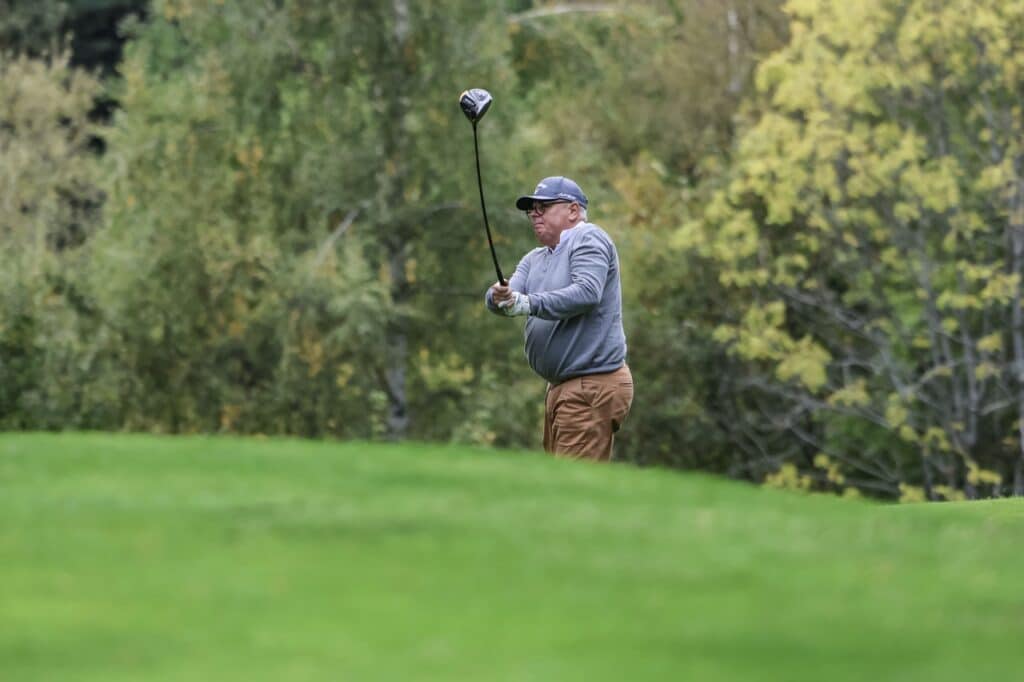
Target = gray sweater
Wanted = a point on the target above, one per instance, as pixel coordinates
(575, 322)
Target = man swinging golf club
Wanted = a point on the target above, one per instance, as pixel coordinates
(570, 292)
(569, 289)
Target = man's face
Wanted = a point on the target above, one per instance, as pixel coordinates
(551, 218)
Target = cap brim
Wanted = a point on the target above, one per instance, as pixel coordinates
(525, 203)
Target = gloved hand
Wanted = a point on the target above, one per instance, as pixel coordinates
(519, 304)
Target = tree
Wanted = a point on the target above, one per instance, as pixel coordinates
(292, 248)
(872, 221)
(30, 28)
(90, 27)
(49, 200)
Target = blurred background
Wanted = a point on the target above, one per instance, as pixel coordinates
(260, 217)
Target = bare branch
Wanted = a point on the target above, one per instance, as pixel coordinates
(335, 236)
(555, 10)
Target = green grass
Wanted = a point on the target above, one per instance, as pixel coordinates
(145, 558)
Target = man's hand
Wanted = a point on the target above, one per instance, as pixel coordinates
(510, 302)
(501, 294)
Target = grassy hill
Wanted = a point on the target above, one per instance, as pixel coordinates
(146, 558)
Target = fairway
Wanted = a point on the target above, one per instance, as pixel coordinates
(190, 558)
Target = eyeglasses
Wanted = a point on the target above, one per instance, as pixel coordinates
(540, 209)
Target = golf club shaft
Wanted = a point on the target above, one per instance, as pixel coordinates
(483, 207)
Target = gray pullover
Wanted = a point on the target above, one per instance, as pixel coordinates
(575, 322)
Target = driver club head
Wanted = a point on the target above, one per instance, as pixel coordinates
(475, 103)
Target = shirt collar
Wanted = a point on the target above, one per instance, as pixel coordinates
(561, 237)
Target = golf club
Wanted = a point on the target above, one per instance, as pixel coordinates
(475, 104)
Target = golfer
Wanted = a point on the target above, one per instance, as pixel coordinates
(570, 292)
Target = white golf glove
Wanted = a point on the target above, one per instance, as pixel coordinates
(519, 305)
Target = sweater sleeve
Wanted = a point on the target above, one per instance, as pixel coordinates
(517, 282)
(589, 262)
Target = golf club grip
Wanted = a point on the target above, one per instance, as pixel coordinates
(483, 208)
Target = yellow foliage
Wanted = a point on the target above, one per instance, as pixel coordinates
(986, 370)
(906, 211)
(935, 438)
(253, 157)
(1001, 288)
(892, 257)
(311, 351)
(807, 363)
(789, 269)
(738, 238)
(992, 343)
(995, 177)
(954, 300)
(760, 336)
(445, 373)
(344, 374)
(949, 493)
(809, 242)
(921, 342)
(831, 469)
(725, 334)
(977, 272)
(978, 476)
(690, 237)
(736, 277)
(896, 414)
(788, 477)
(884, 199)
(228, 416)
(851, 395)
(911, 493)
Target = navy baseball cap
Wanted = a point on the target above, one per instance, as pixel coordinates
(555, 188)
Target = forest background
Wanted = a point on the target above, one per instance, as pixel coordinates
(260, 217)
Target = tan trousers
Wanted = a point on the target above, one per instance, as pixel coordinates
(581, 415)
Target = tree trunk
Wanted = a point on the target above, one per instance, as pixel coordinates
(397, 353)
(735, 68)
(398, 341)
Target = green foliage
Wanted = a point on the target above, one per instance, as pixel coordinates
(291, 239)
(30, 27)
(871, 223)
(48, 208)
(288, 243)
(822, 273)
(89, 28)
